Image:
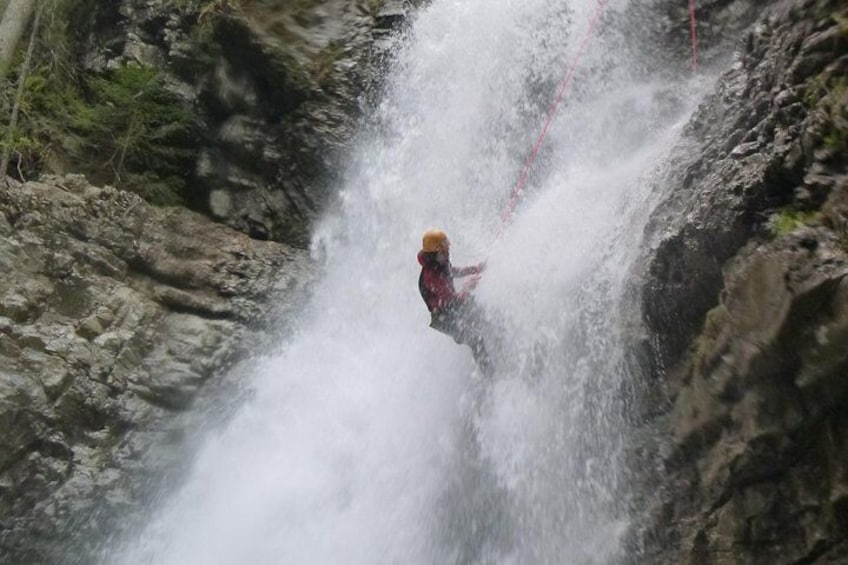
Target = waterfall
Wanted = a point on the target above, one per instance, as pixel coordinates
(372, 439)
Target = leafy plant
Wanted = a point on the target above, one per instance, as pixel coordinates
(836, 106)
(827, 96)
(162, 191)
(121, 127)
(136, 123)
(815, 90)
(789, 220)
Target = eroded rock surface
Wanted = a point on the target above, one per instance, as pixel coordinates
(746, 298)
(276, 89)
(112, 316)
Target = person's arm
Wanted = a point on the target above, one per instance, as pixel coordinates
(466, 271)
(475, 272)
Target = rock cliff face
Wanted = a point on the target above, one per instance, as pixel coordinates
(276, 88)
(112, 315)
(746, 299)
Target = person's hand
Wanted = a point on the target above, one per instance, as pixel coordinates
(482, 266)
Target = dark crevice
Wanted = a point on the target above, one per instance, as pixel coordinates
(140, 266)
(197, 310)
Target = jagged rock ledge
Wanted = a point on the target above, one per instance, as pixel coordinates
(112, 316)
(276, 90)
(746, 296)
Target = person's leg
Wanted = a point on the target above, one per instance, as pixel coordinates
(464, 323)
(472, 329)
(446, 322)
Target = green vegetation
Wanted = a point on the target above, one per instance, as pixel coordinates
(126, 125)
(836, 106)
(133, 118)
(828, 94)
(789, 220)
(123, 127)
(117, 128)
(815, 90)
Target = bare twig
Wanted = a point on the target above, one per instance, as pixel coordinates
(16, 109)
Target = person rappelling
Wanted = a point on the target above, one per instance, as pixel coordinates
(451, 312)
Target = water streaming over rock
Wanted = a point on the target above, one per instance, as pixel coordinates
(372, 439)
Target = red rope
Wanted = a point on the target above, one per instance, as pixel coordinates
(522, 181)
(694, 33)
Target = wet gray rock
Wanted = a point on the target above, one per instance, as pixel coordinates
(756, 146)
(277, 89)
(663, 29)
(745, 296)
(113, 315)
(756, 449)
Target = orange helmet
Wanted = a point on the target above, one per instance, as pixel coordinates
(434, 241)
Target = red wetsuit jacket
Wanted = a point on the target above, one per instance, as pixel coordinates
(436, 281)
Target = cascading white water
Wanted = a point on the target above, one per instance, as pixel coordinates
(372, 439)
